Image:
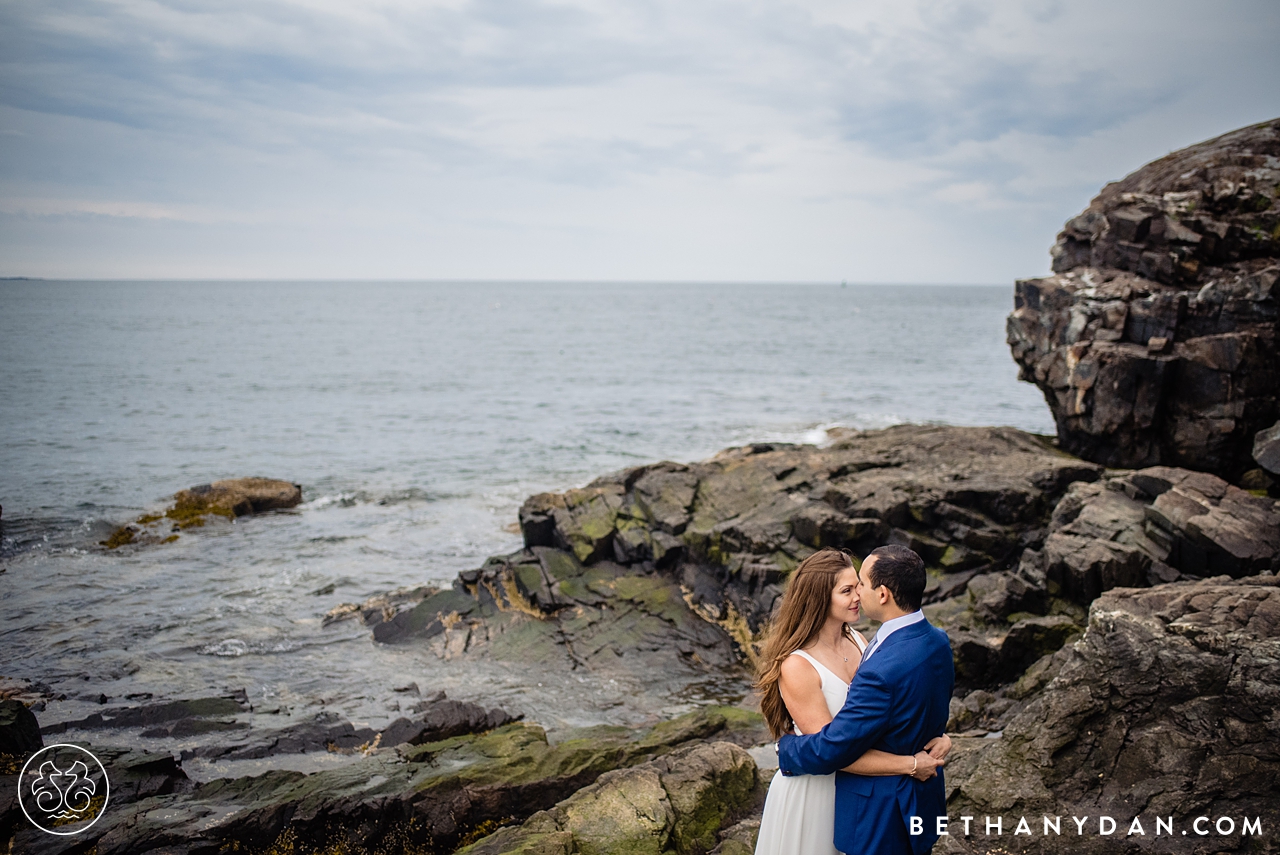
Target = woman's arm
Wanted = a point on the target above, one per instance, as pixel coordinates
(801, 689)
(875, 762)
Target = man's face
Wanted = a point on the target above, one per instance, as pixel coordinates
(871, 606)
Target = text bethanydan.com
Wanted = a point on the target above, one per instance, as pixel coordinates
(1104, 826)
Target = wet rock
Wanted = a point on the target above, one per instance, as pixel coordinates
(445, 718)
(661, 575)
(1154, 342)
(381, 608)
(675, 804)
(424, 797)
(231, 498)
(136, 777)
(236, 497)
(170, 718)
(542, 607)
(435, 719)
(19, 731)
(1166, 707)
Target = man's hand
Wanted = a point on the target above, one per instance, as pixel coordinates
(926, 766)
(939, 747)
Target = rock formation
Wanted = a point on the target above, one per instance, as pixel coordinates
(668, 573)
(236, 497)
(671, 570)
(1136, 529)
(433, 796)
(1155, 339)
(231, 498)
(675, 804)
(1166, 708)
(732, 528)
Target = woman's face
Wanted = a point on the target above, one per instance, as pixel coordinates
(844, 596)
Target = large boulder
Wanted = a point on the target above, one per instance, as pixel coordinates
(1166, 708)
(675, 804)
(1154, 341)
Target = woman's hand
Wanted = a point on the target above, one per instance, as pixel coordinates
(939, 747)
(926, 766)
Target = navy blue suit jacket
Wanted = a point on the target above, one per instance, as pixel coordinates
(898, 701)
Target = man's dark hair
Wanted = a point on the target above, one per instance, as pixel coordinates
(901, 571)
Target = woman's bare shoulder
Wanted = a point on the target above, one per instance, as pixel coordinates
(798, 672)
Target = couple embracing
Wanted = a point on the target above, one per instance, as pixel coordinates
(859, 726)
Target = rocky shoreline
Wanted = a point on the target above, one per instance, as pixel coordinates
(1047, 572)
(1116, 630)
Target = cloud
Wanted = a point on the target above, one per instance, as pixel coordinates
(527, 138)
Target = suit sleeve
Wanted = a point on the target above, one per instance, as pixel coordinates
(855, 730)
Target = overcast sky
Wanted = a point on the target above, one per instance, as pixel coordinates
(928, 141)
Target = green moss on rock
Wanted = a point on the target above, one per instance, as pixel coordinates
(675, 804)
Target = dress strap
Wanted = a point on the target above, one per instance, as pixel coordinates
(821, 669)
(812, 661)
(858, 640)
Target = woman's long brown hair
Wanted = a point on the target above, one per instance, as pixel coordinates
(804, 610)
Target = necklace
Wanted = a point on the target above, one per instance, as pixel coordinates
(836, 650)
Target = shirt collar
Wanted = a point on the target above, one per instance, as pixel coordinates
(893, 625)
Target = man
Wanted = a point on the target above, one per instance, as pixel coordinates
(898, 701)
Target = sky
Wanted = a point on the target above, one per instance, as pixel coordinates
(668, 140)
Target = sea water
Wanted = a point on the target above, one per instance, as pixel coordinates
(416, 417)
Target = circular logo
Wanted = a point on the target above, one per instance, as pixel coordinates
(63, 789)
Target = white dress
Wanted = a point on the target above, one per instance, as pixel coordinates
(800, 811)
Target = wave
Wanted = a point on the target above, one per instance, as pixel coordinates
(235, 647)
(351, 498)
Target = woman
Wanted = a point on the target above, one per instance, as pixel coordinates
(809, 659)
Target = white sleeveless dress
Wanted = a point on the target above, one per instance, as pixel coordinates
(800, 811)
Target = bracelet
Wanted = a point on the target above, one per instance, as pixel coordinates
(915, 763)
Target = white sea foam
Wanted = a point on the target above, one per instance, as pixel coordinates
(226, 647)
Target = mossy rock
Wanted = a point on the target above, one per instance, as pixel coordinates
(625, 812)
(675, 804)
(705, 786)
(229, 499)
(122, 536)
(232, 498)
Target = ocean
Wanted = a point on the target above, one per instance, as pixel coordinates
(417, 417)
